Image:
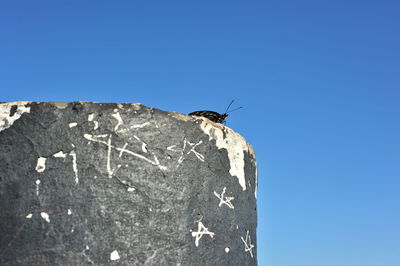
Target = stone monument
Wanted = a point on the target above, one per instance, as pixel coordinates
(86, 183)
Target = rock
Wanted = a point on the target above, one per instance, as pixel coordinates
(123, 184)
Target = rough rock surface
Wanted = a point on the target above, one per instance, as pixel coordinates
(123, 184)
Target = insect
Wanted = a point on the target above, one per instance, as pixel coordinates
(214, 116)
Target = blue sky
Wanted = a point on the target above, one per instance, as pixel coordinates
(319, 82)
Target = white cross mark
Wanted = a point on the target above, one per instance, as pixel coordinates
(198, 155)
(123, 149)
(110, 146)
(224, 200)
(184, 154)
(247, 244)
(201, 230)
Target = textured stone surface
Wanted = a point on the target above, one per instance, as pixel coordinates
(123, 184)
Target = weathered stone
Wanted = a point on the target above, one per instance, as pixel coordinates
(122, 184)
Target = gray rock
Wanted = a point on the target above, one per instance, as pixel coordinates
(123, 184)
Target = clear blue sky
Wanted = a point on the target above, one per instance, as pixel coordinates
(319, 80)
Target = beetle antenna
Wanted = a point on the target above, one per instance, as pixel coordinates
(226, 111)
(234, 110)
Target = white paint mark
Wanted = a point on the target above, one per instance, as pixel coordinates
(237, 226)
(90, 119)
(198, 155)
(73, 124)
(95, 177)
(114, 255)
(247, 244)
(74, 166)
(100, 136)
(181, 158)
(109, 157)
(123, 149)
(131, 189)
(227, 250)
(60, 154)
(41, 165)
(141, 125)
(235, 145)
(134, 127)
(184, 153)
(6, 119)
(118, 117)
(37, 187)
(144, 149)
(69, 212)
(171, 148)
(224, 200)
(201, 230)
(93, 138)
(45, 216)
(72, 230)
(87, 247)
(29, 216)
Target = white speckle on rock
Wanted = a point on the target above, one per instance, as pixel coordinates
(74, 166)
(41, 164)
(227, 250)
(6, 118)
(69, 212)
(90, 119)
(60, 154)
(119, 119)
(130, 189)
(114, 255)
(235, 145)
(73, 124)
(37, 187)
(144, 149)
(141, 125)
(45, 216)
(87, 247)
(29, 216)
